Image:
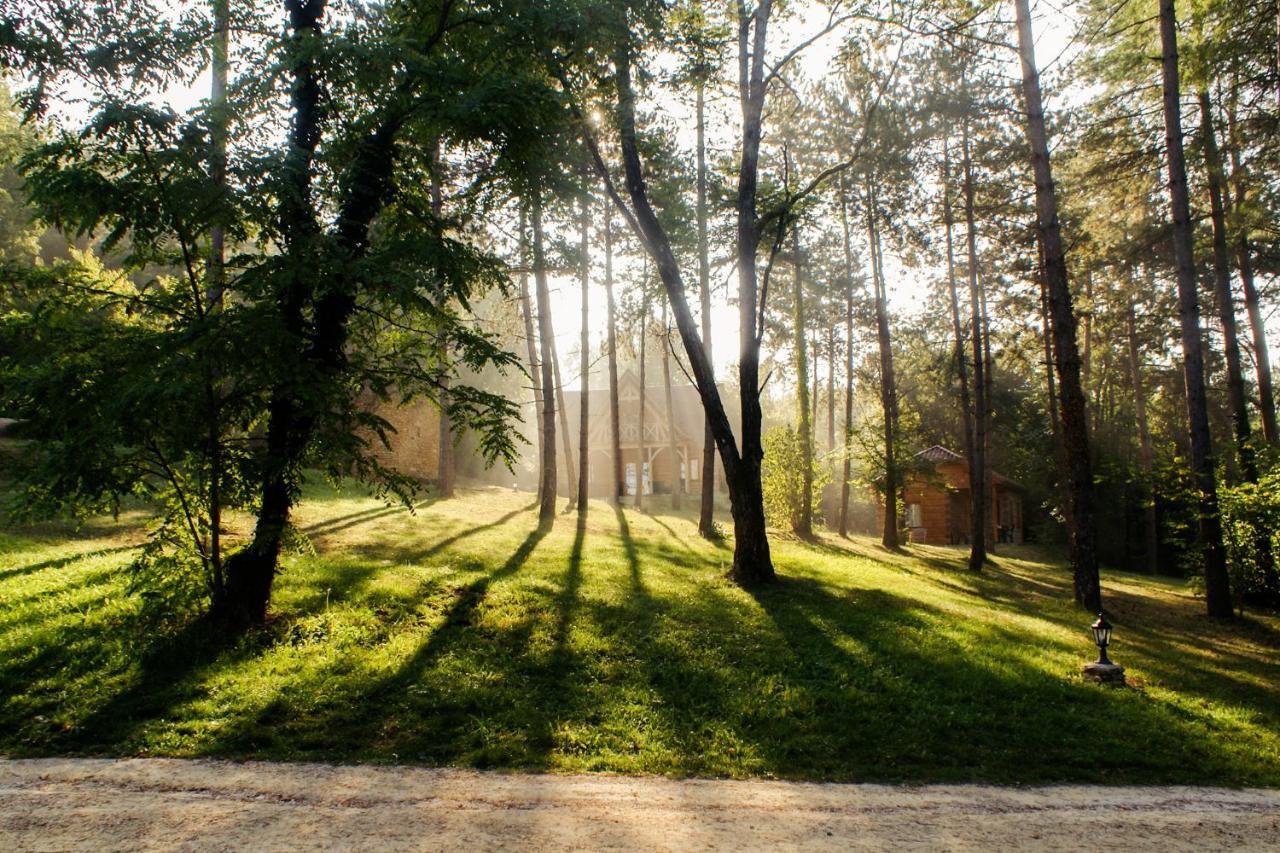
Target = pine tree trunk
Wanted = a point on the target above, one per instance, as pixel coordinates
(1055, 424)
(888, 390)
(546, 346)
(978, 459)
(535, 368)
(644, 337)
(1075, 430)
(831, 388)
(752, 564)
(803, 526)
(1217, 584)
(677, 480)
(706, 510)
(1253, 306)
(1222, 293)
(988, 378)
(566, 440)
(957, 327)
(847, 473)
(615, 420)
(1230, 340)
(1146, 458)
(584, 451)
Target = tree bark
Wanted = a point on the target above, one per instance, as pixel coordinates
(566, 440)
(957, 328)
(644, 337)
(1222, 293)
(1075, 429)
(706, 510)
(848, 360)
(546, 346)
(677, 479)
(804, 525)
(531, 341)
(1217, 583)
(1146, 458)
(978, 460)
(615, 421)
(251, 571)
(1055, 424)
(584, 347)
(751, 561)
(888, 389)
(444, 451)
(831, 388)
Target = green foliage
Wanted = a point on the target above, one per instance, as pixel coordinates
(1251, 522)
(783, 479)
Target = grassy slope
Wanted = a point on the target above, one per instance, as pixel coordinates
(459, 635)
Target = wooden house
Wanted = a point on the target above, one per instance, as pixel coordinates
(647, 461)
(936, 501)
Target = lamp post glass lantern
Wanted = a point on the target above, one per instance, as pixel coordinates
(1102, 636)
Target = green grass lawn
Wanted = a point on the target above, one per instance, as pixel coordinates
(459, 635)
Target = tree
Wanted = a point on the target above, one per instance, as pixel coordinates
(1073, 418)
(1217, 584)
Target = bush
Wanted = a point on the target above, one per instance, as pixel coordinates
(782, 478)
(1250, 528)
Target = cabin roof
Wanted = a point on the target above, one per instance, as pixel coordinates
(939, 454)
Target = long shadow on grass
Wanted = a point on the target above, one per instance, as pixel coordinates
(423, 710)
(168, 675)
(60, 562)
(883, 687)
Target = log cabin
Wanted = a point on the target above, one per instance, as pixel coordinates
(936, 501)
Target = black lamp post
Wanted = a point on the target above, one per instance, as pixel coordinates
(1102, 636)
(1103, 670)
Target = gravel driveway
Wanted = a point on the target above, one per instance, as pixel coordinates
(148, 804)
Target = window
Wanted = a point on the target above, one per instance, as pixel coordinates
(915, 518)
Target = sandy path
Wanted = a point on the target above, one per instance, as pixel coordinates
(84, 804)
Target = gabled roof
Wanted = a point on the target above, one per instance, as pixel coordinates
(938, 453)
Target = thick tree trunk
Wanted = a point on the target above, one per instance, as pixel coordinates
(1217, 584)
(803, 526)
(677, 478)
(615, 420)
(1146, 458)
(1075, 429)
(546, 346)
(957, 327)
(847, 473)
(251, 571)
(978, 458)
(706, 510)
(888, 389)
